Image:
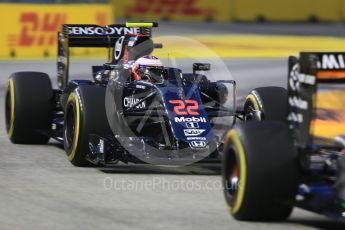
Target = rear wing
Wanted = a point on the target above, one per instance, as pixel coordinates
(306, 72)
(93, 36)
(330, 66)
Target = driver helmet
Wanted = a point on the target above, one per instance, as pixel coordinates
(148, 68)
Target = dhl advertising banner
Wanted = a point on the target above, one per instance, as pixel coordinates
(176, 10)
(30, 30)
(231, 10)
(288, 11)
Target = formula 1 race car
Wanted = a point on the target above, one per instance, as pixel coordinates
(294, 158)
(118, 117)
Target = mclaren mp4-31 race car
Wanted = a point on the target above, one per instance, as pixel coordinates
(296, 157)
(134, 110)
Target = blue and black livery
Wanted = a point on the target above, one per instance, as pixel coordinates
(116, 118)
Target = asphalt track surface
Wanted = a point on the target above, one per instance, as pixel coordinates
(40, 189)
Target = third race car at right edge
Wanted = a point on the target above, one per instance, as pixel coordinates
(295, 157)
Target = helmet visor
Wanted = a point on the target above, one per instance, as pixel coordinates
(153, 74)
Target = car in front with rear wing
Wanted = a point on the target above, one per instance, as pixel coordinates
(295, 157)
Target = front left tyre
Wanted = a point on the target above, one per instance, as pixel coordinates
(28, 107)
(85, 114)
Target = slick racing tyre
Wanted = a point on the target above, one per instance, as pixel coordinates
(270, 102)
(28, 107)
(84, 114)
(260, 171)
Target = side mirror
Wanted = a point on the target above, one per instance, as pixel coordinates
(201, 67)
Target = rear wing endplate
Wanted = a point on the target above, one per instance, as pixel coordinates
(305, 73)
(330, 66)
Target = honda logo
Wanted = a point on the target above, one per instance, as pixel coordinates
(198, 144)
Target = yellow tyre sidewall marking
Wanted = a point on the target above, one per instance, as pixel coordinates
(233, 137)
(11, 89)
(73, 98)
(252, 98)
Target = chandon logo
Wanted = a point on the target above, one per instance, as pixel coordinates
(130, 101)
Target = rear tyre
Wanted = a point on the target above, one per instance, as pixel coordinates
(28, 107)
(84, 114)
(271, 102)
(260, 171)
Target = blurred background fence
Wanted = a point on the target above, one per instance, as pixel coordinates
(29, 26)
(233, 10)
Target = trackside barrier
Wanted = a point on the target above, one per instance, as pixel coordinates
(342, 10)
(288, 11)
(175, 10)
(30, 30)
(232, 10)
